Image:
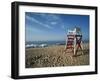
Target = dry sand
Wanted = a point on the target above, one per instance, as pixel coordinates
(54, 56)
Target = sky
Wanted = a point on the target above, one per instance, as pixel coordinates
(53, 27)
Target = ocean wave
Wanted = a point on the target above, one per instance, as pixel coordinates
(35, 46)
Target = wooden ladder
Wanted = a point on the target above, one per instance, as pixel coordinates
(70, 43)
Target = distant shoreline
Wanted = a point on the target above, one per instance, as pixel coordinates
(39, 44)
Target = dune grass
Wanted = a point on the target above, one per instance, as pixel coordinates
(54, 56)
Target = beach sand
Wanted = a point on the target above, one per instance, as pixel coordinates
(55, 56)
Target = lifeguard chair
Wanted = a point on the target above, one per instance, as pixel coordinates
(74, 41)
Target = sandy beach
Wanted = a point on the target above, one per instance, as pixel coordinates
(54, 56)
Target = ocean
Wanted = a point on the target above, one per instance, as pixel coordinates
(39, 44)
(35, 44)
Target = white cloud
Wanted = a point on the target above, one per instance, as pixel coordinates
(38, 22)
(32, 29)
(53, 23)
(50, 21)
(49, 16)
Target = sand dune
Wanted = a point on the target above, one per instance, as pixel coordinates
(54, 56)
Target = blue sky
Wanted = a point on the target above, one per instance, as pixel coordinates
(52, 27)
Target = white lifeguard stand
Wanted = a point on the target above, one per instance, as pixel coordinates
(74, 40)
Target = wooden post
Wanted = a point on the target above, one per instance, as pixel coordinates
(78, 44)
